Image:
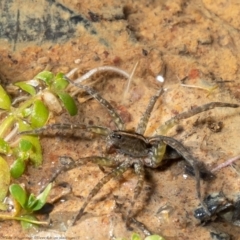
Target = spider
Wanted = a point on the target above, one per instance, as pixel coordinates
(139, 151)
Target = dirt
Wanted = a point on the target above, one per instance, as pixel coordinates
(197, 39)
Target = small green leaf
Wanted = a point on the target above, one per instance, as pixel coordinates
(45, 76)
(35, 155)
(26, 87)
(154, 237)
(42, 198)
(39, 114)
(28, 225)
(19, 194)
(23, 126)
(26, 112)
(135, 236)
(5, 102)
(17, 168)
(6, 124)
(4, 146)
(25, 145)
(59, 83)
(4, 180)
(68, 103)
(31, 202)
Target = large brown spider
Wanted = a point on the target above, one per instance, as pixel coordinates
(140, 151)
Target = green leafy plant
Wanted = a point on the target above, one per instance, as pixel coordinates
(43, 96)
(31, 113)
(56, 85)
(25, 205)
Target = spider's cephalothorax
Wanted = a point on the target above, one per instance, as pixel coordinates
(139, 151)
(137, 146)
(131, 144)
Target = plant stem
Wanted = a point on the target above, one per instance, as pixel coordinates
(7, 217)
(6, 125)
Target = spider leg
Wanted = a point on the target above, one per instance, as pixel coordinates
(141, 128)
(145, 117)
(139, 170)
(188, 157)
(157, 154)
(118, 171)
(161, 151)
(116, 117)
(67, 128)
(141, 226)
(162, 130)
(68, 164)
(171, 154)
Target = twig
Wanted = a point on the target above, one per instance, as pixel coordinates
(226, 163)
(93, 71)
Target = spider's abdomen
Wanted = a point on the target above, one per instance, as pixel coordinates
(132, 144)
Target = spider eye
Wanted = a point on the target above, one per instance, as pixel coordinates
(115, 135)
